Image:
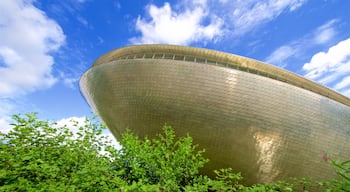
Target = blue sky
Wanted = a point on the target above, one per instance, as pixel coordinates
(46, 45)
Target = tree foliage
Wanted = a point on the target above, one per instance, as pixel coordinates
(162, 161)
(38, 155)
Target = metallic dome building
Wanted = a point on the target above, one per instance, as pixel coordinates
(263, 121)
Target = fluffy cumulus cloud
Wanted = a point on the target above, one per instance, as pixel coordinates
(207, 20)
(332, 67)
(28, 37)
(166, 25)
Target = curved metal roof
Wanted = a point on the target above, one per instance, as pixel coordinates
(200, 55)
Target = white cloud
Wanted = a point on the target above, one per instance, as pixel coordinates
(4, 116)
(346, 92)
(280, 55)
(4, 125)
(71, 82)
(321, 35)
(83, 21)
(343, 83)
(28, 37)
(324, 33)
(331, 67)
(100, 40)
(207, 20)
(247, 15)
(178, 27)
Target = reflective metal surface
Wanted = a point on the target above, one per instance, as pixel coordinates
(264, 128)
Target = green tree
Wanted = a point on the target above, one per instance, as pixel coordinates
(38, 155)
(163, 161)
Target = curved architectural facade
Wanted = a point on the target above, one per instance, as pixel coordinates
(265, 122)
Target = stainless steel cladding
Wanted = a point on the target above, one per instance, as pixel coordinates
(262, 121)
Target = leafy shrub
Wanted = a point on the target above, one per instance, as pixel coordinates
(38, 155)
(343, 182)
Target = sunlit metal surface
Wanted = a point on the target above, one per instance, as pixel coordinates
(266, 125)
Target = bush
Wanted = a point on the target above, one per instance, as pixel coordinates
(38, 155)
(162, 161)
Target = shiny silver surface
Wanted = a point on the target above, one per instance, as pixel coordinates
(266, 128)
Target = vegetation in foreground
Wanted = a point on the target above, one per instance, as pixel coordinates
(42, 156)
